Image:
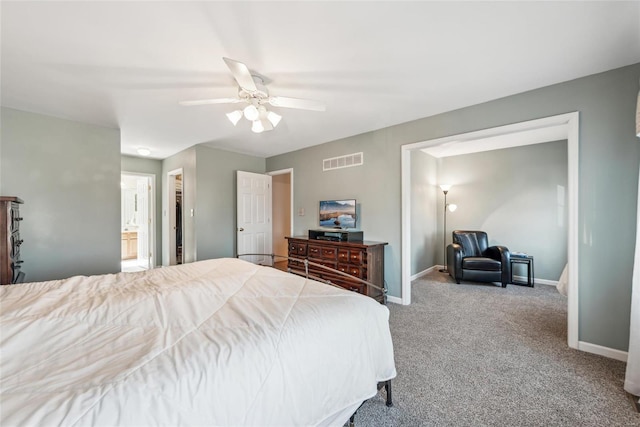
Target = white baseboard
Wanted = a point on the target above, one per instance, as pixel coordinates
(611, 353)
(394, 300)
(537, 281)
(425, 272)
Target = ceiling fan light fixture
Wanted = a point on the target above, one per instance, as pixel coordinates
(257, 126)
(274, 118)
(266, 124)
(253, 91)
(234, 116)
(251, 112)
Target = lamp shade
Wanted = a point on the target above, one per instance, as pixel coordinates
(251, 112)
(274, 118)
(257, 126)
(445, 187)
(234, 116)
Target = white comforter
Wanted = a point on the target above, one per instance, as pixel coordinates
(218, 342)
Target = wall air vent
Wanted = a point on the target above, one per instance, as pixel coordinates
(355, 159)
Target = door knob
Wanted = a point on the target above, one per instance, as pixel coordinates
(240, 229)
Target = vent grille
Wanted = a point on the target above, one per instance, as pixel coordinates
(350, 160)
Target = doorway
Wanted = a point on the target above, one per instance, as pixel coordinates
(175, 186)
(137, 221)
(564, 126)
(282, 213)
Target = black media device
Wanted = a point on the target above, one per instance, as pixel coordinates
(336, 235)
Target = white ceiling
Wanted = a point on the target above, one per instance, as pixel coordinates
(374, 64)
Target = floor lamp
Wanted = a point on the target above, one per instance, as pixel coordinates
(450, 207)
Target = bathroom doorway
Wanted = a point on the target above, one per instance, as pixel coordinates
(137, 221)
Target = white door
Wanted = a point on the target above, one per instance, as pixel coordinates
(143, 189)
(253, 225)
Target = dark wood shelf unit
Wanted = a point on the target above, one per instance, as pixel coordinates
(364, 260)
(10, 241)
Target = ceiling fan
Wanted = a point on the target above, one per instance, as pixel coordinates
(253, 91)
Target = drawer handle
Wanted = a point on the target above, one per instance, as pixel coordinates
(19, 219)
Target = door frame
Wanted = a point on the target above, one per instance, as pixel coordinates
(283, 172)
(152, 214)
(171, 215)
(565, 124)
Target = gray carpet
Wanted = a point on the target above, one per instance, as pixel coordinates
(479, 355)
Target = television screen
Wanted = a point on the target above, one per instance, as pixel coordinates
(338, 213)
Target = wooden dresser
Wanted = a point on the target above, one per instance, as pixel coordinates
(10, 241)
(364, 260)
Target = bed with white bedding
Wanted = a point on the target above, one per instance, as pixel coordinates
(218, 342)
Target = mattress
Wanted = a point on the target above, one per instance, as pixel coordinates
(217, 342)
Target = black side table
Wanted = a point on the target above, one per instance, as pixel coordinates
(528, 261)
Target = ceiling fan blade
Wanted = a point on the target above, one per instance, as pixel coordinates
(302, 104)
(242, 75)
(211, 101)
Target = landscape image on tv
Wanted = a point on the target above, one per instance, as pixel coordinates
(338, 213)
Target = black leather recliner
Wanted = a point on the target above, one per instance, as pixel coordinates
(470, 257)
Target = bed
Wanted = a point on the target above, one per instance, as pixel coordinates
(217, 342)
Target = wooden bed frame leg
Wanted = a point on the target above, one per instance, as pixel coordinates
(387, 388)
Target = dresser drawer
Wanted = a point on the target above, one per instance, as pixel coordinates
(326, 263)
(352, 285)
(328, 252)
(15, 217)
(18, 276)
(353, 270)
(322, 252)
(297, 249)
(298, 265)
(15, 243)
(356, 256)
(351, 256)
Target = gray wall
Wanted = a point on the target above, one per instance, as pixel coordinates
(210, 190)
(186, 160)
(609, 157)
(513, 194)
(152, 167)
(68, 175)
(371, 184)
(216, 199)
(426, 208)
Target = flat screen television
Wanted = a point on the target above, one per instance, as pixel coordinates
(338, 213)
